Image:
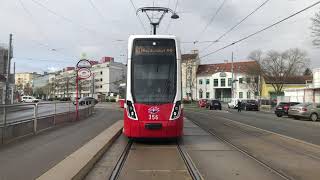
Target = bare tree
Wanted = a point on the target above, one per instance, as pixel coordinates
(277, 67)
(315, 29)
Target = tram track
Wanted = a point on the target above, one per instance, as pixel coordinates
(190, 166)
(118, 167)
(193, 171)
(225, 140)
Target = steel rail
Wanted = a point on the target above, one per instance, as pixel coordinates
(118, 167)
(213, 133)
(193, 171)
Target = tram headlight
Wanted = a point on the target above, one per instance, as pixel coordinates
(131, 111)
(176, 110)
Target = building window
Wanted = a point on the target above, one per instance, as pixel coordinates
(215, 82)
(229, 82)
(200, 95)
(223, 82)
(240, 95)
(101, 72)
(101, 79)
(200, 81)
(248, 80)
(256, 93)
(100, 86)
(240, 80)
(207, 81)
(256, 80)
(248, 95)
(207, 95)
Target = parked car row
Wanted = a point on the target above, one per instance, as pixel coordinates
(86, 101)
(246, 104)
(298, 110)
(211, 104)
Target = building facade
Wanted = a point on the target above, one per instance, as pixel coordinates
(24, 78)
(225, 81)
(189, 66)
(42, 85)
(309, 93)
(105, 80)
(295, 82)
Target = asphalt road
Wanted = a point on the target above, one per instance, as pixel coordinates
(300, 129)
(293, 159)
(26, 112)
(30, 157)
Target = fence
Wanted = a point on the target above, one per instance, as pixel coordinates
(30, 118)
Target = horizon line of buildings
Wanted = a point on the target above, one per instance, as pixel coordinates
(227, 80)
(221, 81)
(104, 81)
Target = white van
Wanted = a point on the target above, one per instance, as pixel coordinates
(29, 99)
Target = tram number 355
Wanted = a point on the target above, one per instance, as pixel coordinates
(153, 117)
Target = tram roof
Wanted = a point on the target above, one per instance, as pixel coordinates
(152, 36)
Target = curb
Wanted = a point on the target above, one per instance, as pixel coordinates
(79, 163)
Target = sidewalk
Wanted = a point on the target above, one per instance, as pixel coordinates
(30, 157)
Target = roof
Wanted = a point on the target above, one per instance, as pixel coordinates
(242, 66)
(186, 57)
(292, 80)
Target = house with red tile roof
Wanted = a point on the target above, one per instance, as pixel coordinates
(227, 80)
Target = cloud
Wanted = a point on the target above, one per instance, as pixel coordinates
(36, 36)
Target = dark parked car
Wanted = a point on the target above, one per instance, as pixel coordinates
(214, 104)
(283, 107)
(87, 101)
(65, 99)
(250, 105)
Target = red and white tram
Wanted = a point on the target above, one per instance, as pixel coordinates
(153, 107)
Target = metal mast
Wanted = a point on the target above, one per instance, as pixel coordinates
(155, 22)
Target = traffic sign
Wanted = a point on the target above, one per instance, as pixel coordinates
(84, 63)
(84, 73)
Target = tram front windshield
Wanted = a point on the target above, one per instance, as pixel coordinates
(153, 71)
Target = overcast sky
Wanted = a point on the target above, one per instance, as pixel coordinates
(53, 38)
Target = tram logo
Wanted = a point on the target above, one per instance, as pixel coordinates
(153, 110)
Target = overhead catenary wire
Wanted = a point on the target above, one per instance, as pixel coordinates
(139, 19)
(72, 61)
(212, 19)
(236, 25)
(257, 32)
(26, 10)
(39, 29)
(85, 28)
(103, 19)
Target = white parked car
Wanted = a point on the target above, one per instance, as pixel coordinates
(233, 103)
(29, 99)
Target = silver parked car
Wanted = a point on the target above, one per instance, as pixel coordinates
(305, 110)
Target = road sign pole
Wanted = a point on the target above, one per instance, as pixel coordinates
(77, 96)
(82, 72)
